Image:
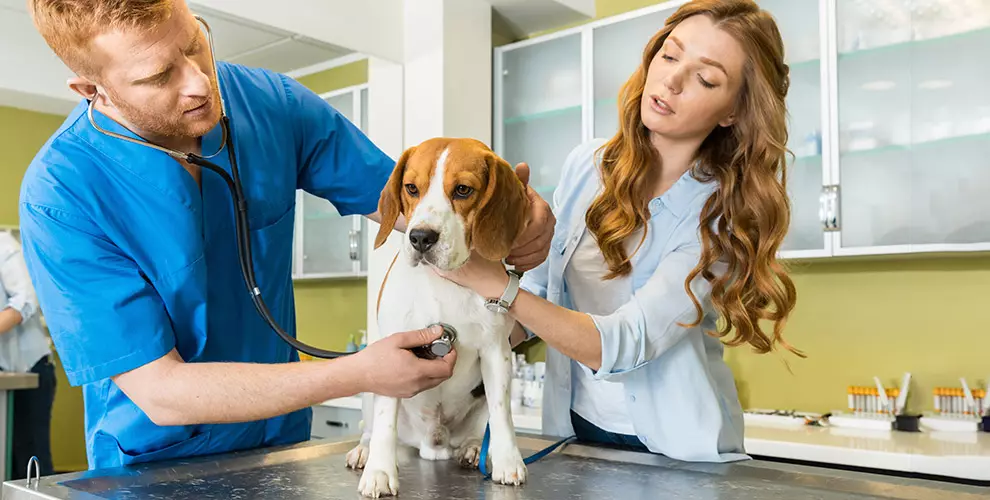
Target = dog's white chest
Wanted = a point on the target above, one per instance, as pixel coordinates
(415, 297)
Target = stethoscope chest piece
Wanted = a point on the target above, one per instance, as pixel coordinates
(439, 347)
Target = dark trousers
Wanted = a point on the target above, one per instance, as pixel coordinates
(33, 422)
(591, 433)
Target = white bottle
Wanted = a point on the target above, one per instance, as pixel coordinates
(516, 394)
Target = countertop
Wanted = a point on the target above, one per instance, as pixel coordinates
(317, 470)
(10, 381)
(952, 454)
(964, 455)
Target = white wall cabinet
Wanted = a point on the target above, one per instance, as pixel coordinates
(889, 116)
(328, 245)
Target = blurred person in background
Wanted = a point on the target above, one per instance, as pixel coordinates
(24, 348)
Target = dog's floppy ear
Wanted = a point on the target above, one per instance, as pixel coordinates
(502, 213)
(390, 202)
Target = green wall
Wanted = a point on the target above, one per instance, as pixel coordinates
(355, 73)
(22, 133)
(859, 318)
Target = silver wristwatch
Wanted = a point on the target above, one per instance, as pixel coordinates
(502, 304)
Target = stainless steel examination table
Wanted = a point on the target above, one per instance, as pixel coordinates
(316, 470)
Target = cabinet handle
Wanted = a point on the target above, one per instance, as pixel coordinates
(353, 236)
(829, 208)
(334, 423)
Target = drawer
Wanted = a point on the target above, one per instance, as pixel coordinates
(330, 422)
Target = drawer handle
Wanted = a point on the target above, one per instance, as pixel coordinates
(353, 244)
(332, 423)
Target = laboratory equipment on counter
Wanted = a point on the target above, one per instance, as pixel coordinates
(781, 418)
(526, 386)
(958, 409)
(317, 470)
(876, 407)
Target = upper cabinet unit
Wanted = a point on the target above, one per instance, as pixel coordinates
(328, 245)
(538, 105)
(888, 116)
(913, 125)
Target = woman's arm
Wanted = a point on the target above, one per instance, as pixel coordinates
(572, 333)
(22, 302)
(639, 331)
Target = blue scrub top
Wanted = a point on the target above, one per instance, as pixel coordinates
(130, 260)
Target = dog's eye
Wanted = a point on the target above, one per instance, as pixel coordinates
(462, 191)
(412, 190)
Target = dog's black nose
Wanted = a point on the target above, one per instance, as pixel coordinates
(423, 239)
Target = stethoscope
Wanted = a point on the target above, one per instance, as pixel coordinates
(438, 348)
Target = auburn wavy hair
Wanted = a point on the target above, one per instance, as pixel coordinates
(749, 208)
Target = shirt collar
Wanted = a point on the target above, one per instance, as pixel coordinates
(679, 198)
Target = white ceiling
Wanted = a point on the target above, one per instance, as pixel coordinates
(245, 32)
(526, 17)
(34, 78)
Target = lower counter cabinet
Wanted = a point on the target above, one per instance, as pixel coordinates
(330, 422)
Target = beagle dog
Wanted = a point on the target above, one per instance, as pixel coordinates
(457, 196)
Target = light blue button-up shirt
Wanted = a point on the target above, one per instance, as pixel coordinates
(26, 343)
(680, 393)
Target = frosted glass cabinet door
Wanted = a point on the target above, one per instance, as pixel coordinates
(541, 107)
(618, 53)
(798, 21)
(914, 123)
(344, 103)
(326, 238)
(364, 111)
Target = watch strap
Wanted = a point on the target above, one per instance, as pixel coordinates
(511, 290)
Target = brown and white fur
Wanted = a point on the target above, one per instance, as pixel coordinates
(460, 194)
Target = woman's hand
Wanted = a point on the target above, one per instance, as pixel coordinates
(486, 277)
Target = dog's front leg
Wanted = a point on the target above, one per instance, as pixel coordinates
(496, 369)
(358, 456)
(381, 474)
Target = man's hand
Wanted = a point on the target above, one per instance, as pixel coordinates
(389, 369)
(533, 245)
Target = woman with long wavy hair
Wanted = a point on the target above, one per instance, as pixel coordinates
(665, 245)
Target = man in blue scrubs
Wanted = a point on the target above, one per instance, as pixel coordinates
(133, 253)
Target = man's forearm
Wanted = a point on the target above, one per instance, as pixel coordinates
(9, 318)
(207, 393)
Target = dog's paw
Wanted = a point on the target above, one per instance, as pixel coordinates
(427, 453)
(469, 454)
(358, 456)
(508, 468)
(377, 483)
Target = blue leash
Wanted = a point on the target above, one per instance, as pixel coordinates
(482, 463)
